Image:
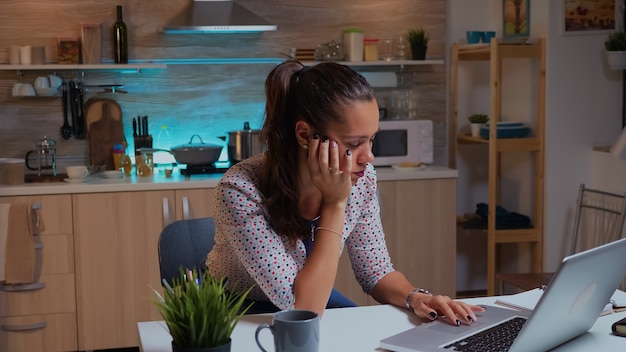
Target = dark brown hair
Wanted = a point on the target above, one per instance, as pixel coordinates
(318, 95)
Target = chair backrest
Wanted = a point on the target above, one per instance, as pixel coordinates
(599, 218)
(185, 243)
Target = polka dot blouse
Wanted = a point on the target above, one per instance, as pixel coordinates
(248, 252)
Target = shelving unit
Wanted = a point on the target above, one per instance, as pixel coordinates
(497, 148)
(132, 67)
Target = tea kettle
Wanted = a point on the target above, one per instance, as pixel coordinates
(45, 150)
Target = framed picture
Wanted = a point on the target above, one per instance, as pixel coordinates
(515, 18)
(590, 16)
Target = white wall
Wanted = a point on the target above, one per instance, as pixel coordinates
(583, 108)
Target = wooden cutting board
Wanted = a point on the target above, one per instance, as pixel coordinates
(103, 118)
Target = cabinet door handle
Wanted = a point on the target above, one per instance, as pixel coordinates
(26, 327)
(166, 211)
(185, 208)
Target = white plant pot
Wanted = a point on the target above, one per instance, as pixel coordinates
(476, 129)
(616, 59)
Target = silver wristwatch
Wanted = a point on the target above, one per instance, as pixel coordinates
(410, 295)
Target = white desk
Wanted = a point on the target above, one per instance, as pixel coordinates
(361, 329)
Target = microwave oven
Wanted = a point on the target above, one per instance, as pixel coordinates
(402, 141)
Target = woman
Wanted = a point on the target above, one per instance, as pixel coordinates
(284, 216)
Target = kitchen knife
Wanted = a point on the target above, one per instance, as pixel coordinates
(134, 127)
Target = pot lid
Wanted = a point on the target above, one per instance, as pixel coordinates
(197, 146)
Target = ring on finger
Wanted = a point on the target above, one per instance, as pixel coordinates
(333, 171)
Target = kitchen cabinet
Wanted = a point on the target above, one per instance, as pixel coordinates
(117, 262)
(44, 319)
(194, 203)
(498, 149)
(116, 238)
(420, 229)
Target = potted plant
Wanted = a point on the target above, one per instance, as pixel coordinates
(200, 312)
(615, 46)
(418, 39)
(476, 121)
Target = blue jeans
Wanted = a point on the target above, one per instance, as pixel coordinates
(336, 300)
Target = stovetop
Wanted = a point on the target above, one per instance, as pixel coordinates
(204, 169)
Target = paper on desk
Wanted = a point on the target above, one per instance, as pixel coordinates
(527, 300)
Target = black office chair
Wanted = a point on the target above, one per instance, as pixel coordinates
(599, 219)
(185, 243)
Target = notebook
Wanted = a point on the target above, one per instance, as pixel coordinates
(570, 305)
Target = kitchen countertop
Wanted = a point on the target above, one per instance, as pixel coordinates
(97, 184)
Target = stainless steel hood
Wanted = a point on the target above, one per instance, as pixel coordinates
(217, 16)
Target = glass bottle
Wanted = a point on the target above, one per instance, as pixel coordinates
(126, 165)
(120, 39)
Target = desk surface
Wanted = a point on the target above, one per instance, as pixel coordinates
(362, 328)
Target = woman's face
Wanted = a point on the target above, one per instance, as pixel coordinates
(356, 133)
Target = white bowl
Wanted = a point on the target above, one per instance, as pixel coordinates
(47, 92)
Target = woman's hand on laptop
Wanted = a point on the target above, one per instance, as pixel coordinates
(442, 307)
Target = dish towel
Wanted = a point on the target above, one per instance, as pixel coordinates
(20, 262)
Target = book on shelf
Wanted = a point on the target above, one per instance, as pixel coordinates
(527, 300)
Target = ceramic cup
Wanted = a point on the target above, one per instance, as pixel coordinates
(27, 90)
(17, 87)
(77, 171)
(293, 330)
(55, 81)
(38, 55)
(42, 82)
(474, 37)
(25, 55)
(14, 55)
(487, 35)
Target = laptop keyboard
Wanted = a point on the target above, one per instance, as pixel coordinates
(498, 338)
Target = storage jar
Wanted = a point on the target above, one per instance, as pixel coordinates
(353, 44)
(370, 49)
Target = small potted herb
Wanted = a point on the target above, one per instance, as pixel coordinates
(615, 46)
(418, 39)
(476, 122)
(201, 312)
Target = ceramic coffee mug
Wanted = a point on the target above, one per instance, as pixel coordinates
(293, 330)
(77, 171)
(42, 82)
(487, 35)
(474, 37)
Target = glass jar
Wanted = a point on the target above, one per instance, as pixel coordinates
(370, 49)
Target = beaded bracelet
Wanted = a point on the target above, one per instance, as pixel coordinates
(330, 230)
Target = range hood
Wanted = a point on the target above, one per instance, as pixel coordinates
(217, 16)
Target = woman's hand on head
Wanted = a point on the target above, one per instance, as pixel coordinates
(442, 307)
(330, 169)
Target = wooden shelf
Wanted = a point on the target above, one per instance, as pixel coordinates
(384, 63)
(132, 67)
(504, 144)
(494, 53)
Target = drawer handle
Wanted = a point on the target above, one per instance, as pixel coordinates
(185, 208)
(23, 287)
(166, 212)
(33, 326)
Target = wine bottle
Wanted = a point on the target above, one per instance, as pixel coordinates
(120, 39)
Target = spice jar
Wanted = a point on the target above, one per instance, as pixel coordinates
(370, 49)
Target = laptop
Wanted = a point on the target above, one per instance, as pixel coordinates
(570, 305)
